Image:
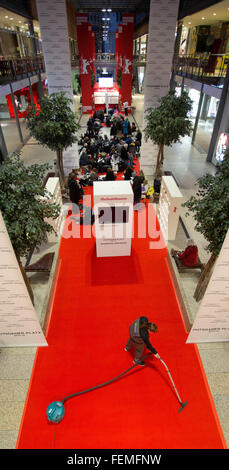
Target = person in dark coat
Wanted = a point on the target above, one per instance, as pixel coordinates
(157, 184)
(124, 152)
(113, 130)
(139, 338)
(84, 158)
(138, 140)
(75, 191)
(137, 188)
(110, 176)
(90, 127)
(128, 173)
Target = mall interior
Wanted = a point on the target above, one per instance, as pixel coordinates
(102, 54)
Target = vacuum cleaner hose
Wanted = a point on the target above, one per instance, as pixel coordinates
(56, 411)
(103, 384)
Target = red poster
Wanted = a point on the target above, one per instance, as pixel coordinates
(118, 50)
(127, 55)
(85, 60)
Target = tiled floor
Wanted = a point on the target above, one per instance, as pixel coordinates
(186, 164)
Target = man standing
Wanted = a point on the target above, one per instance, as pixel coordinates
(139, 338)
(126, 105)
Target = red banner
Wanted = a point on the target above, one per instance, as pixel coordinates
(127, 56)
(118, 50)
(85, 60)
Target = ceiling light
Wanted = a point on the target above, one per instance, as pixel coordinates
(203, 18)
(214, 14)
(104, 9)
(19, 21)
(6, 16)
(109, 9)
(189, 22)
(11, 18)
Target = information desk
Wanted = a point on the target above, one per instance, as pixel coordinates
(113, 209)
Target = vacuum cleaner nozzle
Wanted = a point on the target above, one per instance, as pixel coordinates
(182, 406)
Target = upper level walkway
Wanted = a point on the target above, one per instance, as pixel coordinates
(204, 67)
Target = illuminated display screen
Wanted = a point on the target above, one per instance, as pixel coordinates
(114, 215)
(106, 82)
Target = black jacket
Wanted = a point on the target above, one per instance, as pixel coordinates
(145, 336)
(84, 159)
(75, 192)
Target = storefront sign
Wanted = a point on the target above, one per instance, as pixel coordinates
(212, 321)
(19, 325)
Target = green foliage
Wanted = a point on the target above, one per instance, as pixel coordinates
(168, 122)
(25, 204)
(53, 124)
(210, 206)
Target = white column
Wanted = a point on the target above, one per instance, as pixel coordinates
(161, 38)
(55, 44)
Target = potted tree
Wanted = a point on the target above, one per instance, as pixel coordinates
(210, 209)
(25, 207)
(168, 122)
(53, 124)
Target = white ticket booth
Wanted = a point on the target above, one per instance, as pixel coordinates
(113, 209)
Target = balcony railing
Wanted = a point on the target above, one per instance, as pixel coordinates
(13, 69)
(205, 66)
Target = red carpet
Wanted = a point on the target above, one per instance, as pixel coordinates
(95, 302)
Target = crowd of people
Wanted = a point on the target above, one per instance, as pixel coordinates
(102, 157)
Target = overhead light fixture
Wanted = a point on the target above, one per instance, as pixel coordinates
(214, 14)
(11, 19)
(6, 16)
(189, 22)
(203, 18)
(109, 9)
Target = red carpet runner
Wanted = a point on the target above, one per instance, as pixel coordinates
(95, 301)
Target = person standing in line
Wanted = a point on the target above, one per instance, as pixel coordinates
(139, 338)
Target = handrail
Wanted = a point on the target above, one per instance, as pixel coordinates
(201, 65)
(14, 68)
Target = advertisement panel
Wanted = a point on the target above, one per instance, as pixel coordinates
(212, 321)
(113, 210)
(19, 325)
